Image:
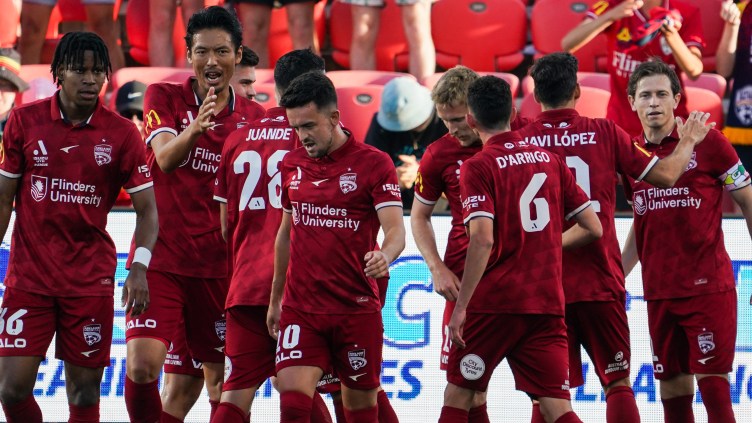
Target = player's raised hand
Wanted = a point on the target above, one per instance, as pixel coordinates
(730, 12)
(625, 9)
(135, 297)
(377, 264)
(457, 326)
(205, 113)
(407, 172)
(445, 283)
(272, 319)
(696, 127)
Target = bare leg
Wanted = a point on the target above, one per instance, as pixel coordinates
(161, 23)
(255, 19)
(301, 27)
(365, 31)
(34, 21)
(416, 19)
(101, 22)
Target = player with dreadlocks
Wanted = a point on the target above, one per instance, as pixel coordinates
(63, 160)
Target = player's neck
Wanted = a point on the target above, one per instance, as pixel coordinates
(223, 97)
(339, 138)
(74, 113)
(656, 135)
(568, 105)
(487, 134)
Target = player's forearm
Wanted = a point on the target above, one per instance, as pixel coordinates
(478, 252)
(394, 242)
(584, 33)
(223, 219)
(281, 261)
(686, 58)
(629, 256)
(668, 170)
(170, 151)
(725, 56)
(425, 240)
(147, 221)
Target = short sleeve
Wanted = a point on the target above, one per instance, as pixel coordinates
(574, 197)
(159, 116)
(429, 184)
(598, 8)
(136, 171)
(220, 182)
(476, 193)
(287, 173)
(385, 189)
(11, 149)
(631, 158)
(691, 30)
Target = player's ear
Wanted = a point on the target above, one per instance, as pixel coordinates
(631, 102)
(677, 97)
(239, 55)
(577, 91)
(334, 117)
(471, 120)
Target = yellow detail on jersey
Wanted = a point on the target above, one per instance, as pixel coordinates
(2, 151)
(642, 150)
(599, 7)
(742, 6)
(624, 35)
(151, 117)
(419, 182)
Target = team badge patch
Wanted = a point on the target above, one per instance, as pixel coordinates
(92, 333)
(38, 187)
(692, 162)
(357, 359)
(472, 367)
(347, 182)
(103, 154)
(295, 213)
(705, 341)
(639, 202)
(220, 327)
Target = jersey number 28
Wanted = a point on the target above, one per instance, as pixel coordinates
(274, 188)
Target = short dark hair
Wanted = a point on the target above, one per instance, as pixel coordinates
(555, 77)
(249, 58)
(310, 87)
(70, 52)
(214, 17)
(295, 63)
(490, 101)
(654, 66)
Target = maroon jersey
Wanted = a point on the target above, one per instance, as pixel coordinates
(68, 180)
(595, 150)
(334, 202)
(190, 241)
(528, 192)
(249, 181)
(678, 230)
(439, 173)
(625, 55)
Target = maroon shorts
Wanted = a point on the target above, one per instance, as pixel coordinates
(176, 298)
(535, 346)
(446, 338)
(249, 348)
(179, 360)
(83, 326)
(601, 328)
(694, 335)
(350, 344)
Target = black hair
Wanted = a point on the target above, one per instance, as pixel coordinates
(294, 64)
(654, 66)
(249, 58)
(555, 77)
(69, 53)
(490, 101)
(214, 17)
(310, 87)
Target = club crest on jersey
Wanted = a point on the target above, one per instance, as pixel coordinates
(38, 187)
(357, 359)
(347, 183)
(295, 212)
(705, 341)
(92, 333)
(472, 367)
(103, 154)
(692, 162)
(220, 327)
(639, 202)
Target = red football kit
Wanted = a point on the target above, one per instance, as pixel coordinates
(625, 55)
(330, 308)
(249, 181)
(68, 180)
(189, 266)
(528, 192)
(679, 264)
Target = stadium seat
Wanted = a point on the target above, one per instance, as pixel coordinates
(149, 75)
(512, 80)
(39, 88)
(29, 72)
(712, 28)
(706, 101)
(709, 81)
(586, 79)
(499, 25)
(552, 19)
(350, 78)
(592, 103)
(265, 94)
(137, 30)
(357, 106)
(10, 19)
(391, 53)
(279, 37)
(66, 11)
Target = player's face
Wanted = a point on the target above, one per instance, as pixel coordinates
(8, 93)
(314, 127)
(243, 80)
(654, 102)
(81, 83)
(453, 116)
(213, 59)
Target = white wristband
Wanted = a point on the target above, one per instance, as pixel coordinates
(142, 255)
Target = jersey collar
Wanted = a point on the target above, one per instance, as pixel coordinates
(504, 138)
(337, 154)
(672, 137)
(56, 112)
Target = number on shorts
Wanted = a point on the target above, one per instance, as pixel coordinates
(582, 175)
(291, 337)
(274, 189)
(14, 324)
(541, 205)
(447, 340)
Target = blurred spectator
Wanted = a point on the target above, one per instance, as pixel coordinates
(35, 16)
(404, 126)
(256, 15)
(416, 19)
(245, 74)
(10, 83)
(733, 60)
(129, 103)
(161, 24)
(39, 88)
(637, 31)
